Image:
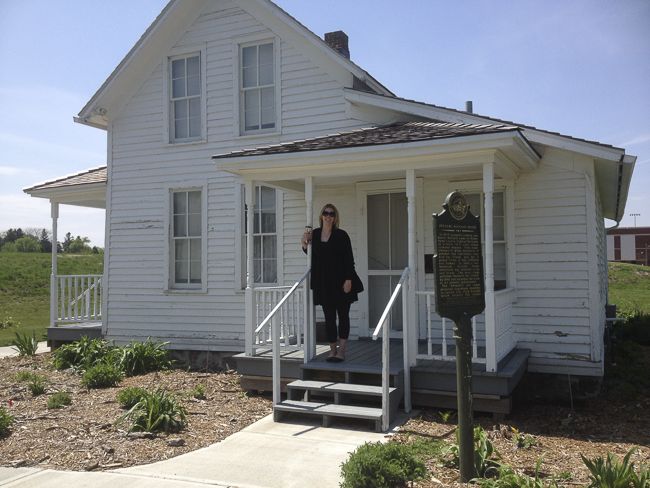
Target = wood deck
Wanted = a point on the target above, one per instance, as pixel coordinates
(64, 333)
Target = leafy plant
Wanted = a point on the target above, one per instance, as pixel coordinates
(156, 411)
(611, 472)
(25, 375)
(128, 397)
(6, 421)
(102, 375)
(59, 400)
(506, 477)
(143, 357)
(377, 465)
(523, 441)
(198, 392)
(447, 416)
(82, 354)
(9, 322)
(25, 344)
(36, 384)
(485, 455)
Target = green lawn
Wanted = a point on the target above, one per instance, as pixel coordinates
(629, 287)
(25, 287)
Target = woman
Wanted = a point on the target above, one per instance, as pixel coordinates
(332, 276)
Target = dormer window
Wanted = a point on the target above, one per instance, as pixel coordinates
(185, 102)
(257, 88)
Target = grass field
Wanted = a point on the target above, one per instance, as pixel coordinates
(25, 287)
(629, 287)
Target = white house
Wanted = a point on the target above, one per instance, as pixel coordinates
(223, 103)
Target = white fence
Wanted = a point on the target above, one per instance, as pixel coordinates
(78, 298)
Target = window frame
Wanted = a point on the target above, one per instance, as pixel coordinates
(170, 282)
(238, 45)
(240, 238)
(168, 126)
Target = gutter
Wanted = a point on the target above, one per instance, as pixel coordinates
(618, 192)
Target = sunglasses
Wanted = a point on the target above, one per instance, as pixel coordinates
(328, 213)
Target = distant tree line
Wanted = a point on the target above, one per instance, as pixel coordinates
(39, 240)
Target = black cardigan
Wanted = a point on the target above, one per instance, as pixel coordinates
(336, 272)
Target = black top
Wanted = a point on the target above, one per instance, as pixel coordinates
(332, 264)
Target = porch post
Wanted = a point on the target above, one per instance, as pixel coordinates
(54, 296)
(310, 335)
(490, 319)
(249, 187)
(413, 260)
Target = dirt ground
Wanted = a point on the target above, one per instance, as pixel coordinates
(84, 435)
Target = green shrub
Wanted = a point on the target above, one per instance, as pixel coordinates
(156, 411)
(102, 375)
(143, 357)
(380, 465)
(23, 376)
(485, 455)
(8, 322)
(523, 441)
(627, 376)
(614, 473)
(36, 384)
(59, 400)
(506, 477)
(128, 397)
(83, 354)
(636, 328)
(25, 344)
(198, 392)
(6, 420)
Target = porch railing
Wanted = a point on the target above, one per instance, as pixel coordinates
(440, 342)
(285, 322)
(78, 298)
(383, 327)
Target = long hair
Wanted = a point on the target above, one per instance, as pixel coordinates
(336, 215)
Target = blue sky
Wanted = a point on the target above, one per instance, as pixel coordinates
(581, 68)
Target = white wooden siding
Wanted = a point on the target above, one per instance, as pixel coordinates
(144, 166)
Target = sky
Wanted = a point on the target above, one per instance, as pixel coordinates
(581, 68)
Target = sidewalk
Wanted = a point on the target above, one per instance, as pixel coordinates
(263, 455)
(8, 351)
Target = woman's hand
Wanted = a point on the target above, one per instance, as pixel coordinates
(347, 286)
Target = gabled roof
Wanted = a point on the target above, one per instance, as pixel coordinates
(401, 132)
(161, 35)
(90, 176)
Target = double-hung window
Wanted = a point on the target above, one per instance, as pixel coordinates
(476, 202)
(187, 227)
(265, 236)
(185, 103)
(257, 88)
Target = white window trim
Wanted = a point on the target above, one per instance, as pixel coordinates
(239, 280)
(169, 287)
(167, 123)
(245, 41)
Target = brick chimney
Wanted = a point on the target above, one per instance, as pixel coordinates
(338, 40)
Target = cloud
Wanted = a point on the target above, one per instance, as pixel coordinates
(640, 139)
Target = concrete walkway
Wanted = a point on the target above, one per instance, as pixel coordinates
(8, 351)
(263, 455)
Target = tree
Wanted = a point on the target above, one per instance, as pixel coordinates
(46, 243)
(66, 242)
(79, 245)
(28, 244)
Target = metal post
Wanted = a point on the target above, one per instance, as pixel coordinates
(405, 344)
(385, 376)
(275, 326)
(54, 210)
(250, 296)
(463, 336)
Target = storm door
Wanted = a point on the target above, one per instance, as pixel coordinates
(387, 238)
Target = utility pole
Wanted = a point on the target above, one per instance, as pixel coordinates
(635, 215)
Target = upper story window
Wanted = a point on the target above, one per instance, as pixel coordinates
(257, 86)
(185, 102)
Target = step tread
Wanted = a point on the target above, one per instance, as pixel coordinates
(319, 408)
(330, 386)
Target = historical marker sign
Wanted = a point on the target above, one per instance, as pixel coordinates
(458, 261)
(460, 296)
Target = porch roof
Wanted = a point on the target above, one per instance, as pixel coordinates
(397, 133)
(86, 189)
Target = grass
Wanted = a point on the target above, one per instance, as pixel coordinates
(25, 288)
(629, 287)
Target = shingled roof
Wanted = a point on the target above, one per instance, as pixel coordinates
(94, 175)
(401, 132)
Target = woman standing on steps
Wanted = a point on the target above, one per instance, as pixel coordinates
(333, 279)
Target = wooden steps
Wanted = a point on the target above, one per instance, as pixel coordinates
(328, 410)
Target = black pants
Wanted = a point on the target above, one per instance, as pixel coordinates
(330, 311)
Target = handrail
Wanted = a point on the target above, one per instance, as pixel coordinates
(281, 302)
(87, 290)
(385, 351)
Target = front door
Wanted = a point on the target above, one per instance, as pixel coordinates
(387, 240)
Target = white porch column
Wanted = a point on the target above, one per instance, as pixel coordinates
(490, 319)
(413, 260)
(250, 278)
(54, 296)
(310, 312)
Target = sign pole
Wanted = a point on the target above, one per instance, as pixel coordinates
(463, 336)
